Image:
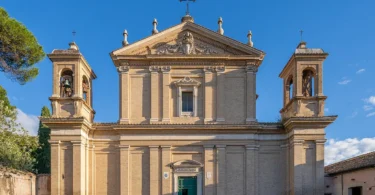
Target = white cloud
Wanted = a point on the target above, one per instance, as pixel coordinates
(370, 114)
(370, 100)
(367, 107)
(338, 150)
(29, 122)
(344, 81)
(361, 71)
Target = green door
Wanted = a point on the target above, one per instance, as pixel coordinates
(187, 185)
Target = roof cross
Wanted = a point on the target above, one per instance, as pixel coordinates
(187, 5)
(301, 31)
(74, 34)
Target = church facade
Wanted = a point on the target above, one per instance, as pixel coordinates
(187, 120)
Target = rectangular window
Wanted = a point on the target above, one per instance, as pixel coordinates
(355, 191)
(187, 101)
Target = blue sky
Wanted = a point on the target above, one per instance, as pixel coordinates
(344, 29)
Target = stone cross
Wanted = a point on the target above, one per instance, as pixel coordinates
(187, 5)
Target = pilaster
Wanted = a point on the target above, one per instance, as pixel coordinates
(166, 170)
(208, 94)
(209, 170)
(285, 156)
(154, 170)
(251, 71)
(154, 94)
(124, 94)
(78, 168)
(297, 166)
(319, 166)
(55, 167)
(124, 170)
(221, 169)
(166, 93)
(251, 169)
(220, 95)
(93, 171)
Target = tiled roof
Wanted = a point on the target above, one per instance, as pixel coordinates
(358, 162)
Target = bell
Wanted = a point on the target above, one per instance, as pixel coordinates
(66, 83)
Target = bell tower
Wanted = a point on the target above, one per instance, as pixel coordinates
(72, 84)
(303, 83)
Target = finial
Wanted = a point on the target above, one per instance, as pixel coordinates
(187, 6)
(249, 36)
(301, 31)
(220, 22)
(73, 46)
(155, 24)
(125, 41)
(74, 35)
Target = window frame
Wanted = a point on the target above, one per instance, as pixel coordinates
(187, 85)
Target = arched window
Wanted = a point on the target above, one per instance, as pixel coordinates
(86, 89)
(66, 83)
(308, 83)
(291, 88)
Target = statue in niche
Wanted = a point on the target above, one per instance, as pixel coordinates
(66, 86)
(307, 83)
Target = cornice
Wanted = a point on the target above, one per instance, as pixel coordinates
(305, 122)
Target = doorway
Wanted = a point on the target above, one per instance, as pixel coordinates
(187, 185)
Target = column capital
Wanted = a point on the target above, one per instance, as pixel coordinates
(320, 141)
(220, 69)
(251, 68)
(221, 146)
(154, 147)
(76, 143)
(208, 69)
(252, 147)
(123, 69)
(296, 142)
(165, 69)
(124, 147)
(154, 69)
(166, 147)
(208, 146)
(54, 142)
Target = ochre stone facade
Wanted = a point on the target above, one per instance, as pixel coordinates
(187, 110)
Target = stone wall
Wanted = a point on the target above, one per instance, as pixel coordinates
(14, 182)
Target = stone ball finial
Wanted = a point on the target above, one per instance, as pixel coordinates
(125, 41)
(249, 36)
(220, 22)
(155, 24)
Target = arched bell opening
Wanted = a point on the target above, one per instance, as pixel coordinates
(66, 83)
(86, 90)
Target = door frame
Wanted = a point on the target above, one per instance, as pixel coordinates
(199, 181)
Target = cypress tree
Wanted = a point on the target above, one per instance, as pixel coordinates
(43, 153)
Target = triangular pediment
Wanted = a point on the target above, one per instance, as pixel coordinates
(188, 39)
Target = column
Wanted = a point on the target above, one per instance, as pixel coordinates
(221, 170)
(166, 93)
(166, 170)
(251, 169)
(154, 170)
(55, 167)
(154, 94)
(251, 71)
(208, 93)
(77, 80)
(319, 180)
(319, 79)
(220, 95)
(298, 163)
(124, 170)
(78, 167)
(208, 170)
(56, 81)
(124, 94)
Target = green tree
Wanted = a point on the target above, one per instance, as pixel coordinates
(17, 146)
(43, 153)
(19, 50)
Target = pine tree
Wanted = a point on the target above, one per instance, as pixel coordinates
(43, 154)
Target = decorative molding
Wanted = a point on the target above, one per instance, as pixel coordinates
(187, 81)
(154, 69)
(187, 46)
